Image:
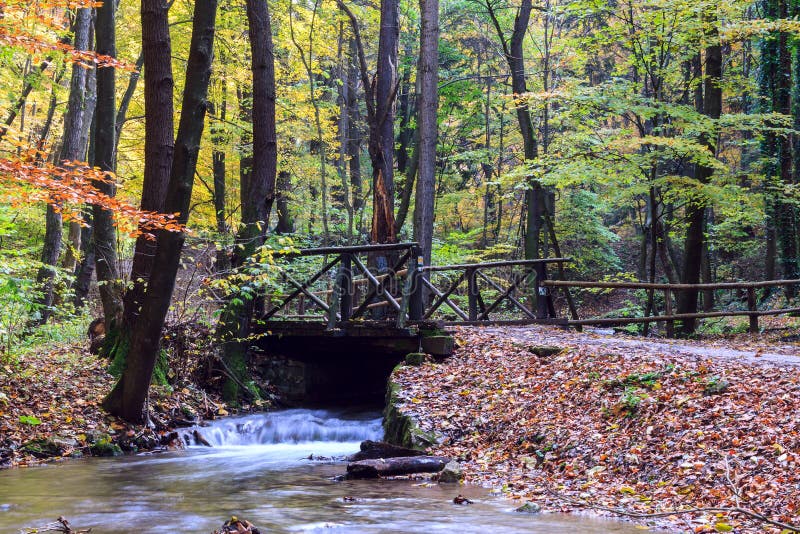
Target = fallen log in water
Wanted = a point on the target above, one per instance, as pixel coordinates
(387, 467)
(372, 450)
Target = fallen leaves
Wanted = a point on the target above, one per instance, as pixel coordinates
(50, 409)
(629, 427)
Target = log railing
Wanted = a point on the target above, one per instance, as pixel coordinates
(390, 282)
(480, 283)
(671, 290)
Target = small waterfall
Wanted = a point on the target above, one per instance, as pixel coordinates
(294, 426)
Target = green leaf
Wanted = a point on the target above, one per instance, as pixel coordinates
(30, 420)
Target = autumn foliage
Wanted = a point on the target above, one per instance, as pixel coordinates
(26, 172)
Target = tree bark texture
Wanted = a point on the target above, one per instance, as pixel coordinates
(386, 467)
(159, 143)
(710, 104)
(105, 233)
(129, 395)
(428, 103)
(381, 138)
(72, 149)
(258, 191)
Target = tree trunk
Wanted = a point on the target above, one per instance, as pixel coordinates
(127, 399)
(285, 220)
(258, 192)
(354, 129)
(105, 233)
(786, 217)
(381, 134)
(159, 143)
(72, 149)
(343, 123)
(428, 102)
(696, 208)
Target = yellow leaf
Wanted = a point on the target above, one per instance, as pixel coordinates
(723, 527)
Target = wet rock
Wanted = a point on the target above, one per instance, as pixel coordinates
(452, 473)
(715, 386)
(400, 428)
(544, 351)
(49, 447)
(529, 508)
(237, 526)
(105, 447)
(41, 448)
(372, 450)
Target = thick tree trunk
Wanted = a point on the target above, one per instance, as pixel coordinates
(428, 102)
(127, 399)
(696, 209)
(159, 143)
(381, 135)
(105, 233)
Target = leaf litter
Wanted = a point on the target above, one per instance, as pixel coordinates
(636, 427)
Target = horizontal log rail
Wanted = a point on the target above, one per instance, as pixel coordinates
(669, 318)
(491, 264)
(646, 285)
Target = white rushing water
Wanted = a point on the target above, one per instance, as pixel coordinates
(296, 426)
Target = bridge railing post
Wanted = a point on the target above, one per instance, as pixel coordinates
(346, 277)
(416, 307)
(541, 291)
(472, 293)
(333, 308)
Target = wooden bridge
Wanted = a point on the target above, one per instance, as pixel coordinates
(350, 289)
(349, 314)
(387, 286)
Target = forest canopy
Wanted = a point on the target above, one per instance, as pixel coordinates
(653, 140)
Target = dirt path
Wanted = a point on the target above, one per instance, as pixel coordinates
(749, 350)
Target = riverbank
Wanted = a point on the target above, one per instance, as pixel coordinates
(50, 409)
(618, 425)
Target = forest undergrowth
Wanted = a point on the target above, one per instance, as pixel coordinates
(50, 400)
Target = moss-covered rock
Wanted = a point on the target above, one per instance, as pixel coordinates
(42, 448)
(105, 447)
(400, 428)
(544, 351)
(416, 358)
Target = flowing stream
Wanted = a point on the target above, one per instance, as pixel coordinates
(273, 469)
